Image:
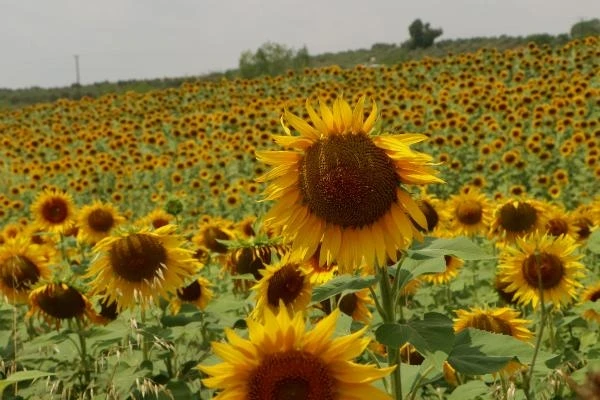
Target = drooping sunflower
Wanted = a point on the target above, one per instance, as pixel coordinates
(355, 305)
(54, 211)
(591, 293)
(280, 360)
(197, 293)
(95, 221)
(342, 186)
(141, 266)
(504, 321)
(517, 218)
(541, 257)
(453, 266)
(469, 213)
(56, 302)
(286, 282)
(22, 265)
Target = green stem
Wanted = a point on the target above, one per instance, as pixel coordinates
(83, 353)
(389, 316)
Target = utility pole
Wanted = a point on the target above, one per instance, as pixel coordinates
(77, 67)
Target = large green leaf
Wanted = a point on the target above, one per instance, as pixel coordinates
(478, 352)
(470, 390)
(22, 376)
(433, 333)
(341, 284)
(460, 247)
(417, 265)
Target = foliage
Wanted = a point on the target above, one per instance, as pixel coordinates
(422, 35)
(584, 28)
(272, 59)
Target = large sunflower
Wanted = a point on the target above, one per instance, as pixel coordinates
(285, 282)
(542, 258)
(341, 186)
(141, 266)
(95, 221)
(469, 213)
(54, 211)
(22, 265)
(281, 361)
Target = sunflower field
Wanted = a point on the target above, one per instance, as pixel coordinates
(427, 230)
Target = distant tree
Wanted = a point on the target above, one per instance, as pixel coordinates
(590, 27)
(422, 35)
(272, 59)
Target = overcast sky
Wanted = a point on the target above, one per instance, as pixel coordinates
(127, 39)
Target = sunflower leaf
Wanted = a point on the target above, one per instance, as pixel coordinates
(433, 333)
(460, 247)
(340, 284)
(593, 242)
(22, 376)
(470, 390)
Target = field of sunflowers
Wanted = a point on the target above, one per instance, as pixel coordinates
(425, 230)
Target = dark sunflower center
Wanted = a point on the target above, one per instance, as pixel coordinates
(491, 324)
(518, 219)
(285, 284)
(251, 260)
(583, 226)
(500, 287)
(19, 272)
(108, 309)
(211, 235)
(347, 180)
(100, 220)
(411, 356)
(469, 212)
(595, 296)
(192, 292)
(138, 257)
(293, 375)
(61, 301)
(158, 222)
(55, 210)
(550, 268)
(557, 227)
(348, 303)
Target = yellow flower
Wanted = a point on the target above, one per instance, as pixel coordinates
(542, 258)
(469, 213)
(96, 221)
(141, 266)
(592, 293)
(197, 293)
(341, 188)
(284, 283)
(453, 266)
(280, 360)
(22, 265)
(54, 211)
(355, 305)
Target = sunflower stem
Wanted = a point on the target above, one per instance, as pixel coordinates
(389, 316)
(83, 353)
(63, 251)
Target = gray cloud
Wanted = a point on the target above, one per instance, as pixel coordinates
(128, 39)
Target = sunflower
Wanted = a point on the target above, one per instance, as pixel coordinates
(211, 232)
(592, 294)
(320, 272)
(140, 266)
(355, 305)
(504, 321)
(56, 302)
(470, 213)
(285, 282)
(54, 211)
(197, 293)
(156, 219)
(95, 221)
(281, 361)
(558, 222)
(341, 186)
(542, 258)
(453, 266)
(431, 208)
(252, 259)
(517, 218)
(22, 265)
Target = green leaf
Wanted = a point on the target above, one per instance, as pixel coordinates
(593, 242)
(417, 265)
(460, 247)
(470, 390)
(22, 376)
(433, 333)
(478, 352)
(340, 284)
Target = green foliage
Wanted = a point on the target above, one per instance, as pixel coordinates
(422, 35)
(590, 27)
(272, 59)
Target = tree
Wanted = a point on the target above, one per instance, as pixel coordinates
(422, 35)
(272, 59)
(591, 27)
